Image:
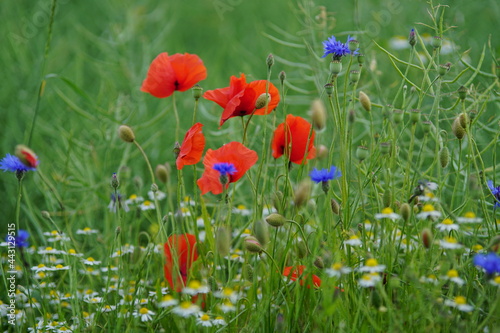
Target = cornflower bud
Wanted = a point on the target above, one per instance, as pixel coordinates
(114, 181)
(282, 77)
(412, 40)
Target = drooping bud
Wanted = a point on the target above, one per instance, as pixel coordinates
(329, 89)
(223, 241)
(405, 211)
(302, 193)
(427, 238)
(437, 42)
(45, 214)
(335, 206)
(270, 61)
(126, 134)
(412, 40)
(444, 156)
(261, 230)
(362, 153)
(462, 92)
(415, 116)
(262, 100)
(318, 114)
(457, 129)
(365, 101)
(114, 181)
(252, 245)
(162, 172)
(335, 67)
(276, 220)
(354, 76)
(319, 263)
(26, 156)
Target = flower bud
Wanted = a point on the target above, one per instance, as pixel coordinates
(464, 120)
(319, 263)
(45, 214)
(223, 241)
(335, 67)
(321, 152)
(26, 156)
(252, 245)
(261, 230)
(457, 129)
(282, 77)
(365, 101)
(329, 89)
(176, 150)
(270, 61)
(162, 172)
(118, 231)
(427, 238)
(353, 45)
(415, 116)
(444, 156)
(154, 188)
(405, 211)
(278, 201)
(126, 134)
(354, 76)
(362, 153)
(318, 114)
(437, 42)
(462, 92)
(248, 272)
(387, 197)
(412, 40)
(302, 193)
(335, 206)
(276, 220)
(397, 116)
(114, 181)
(262, 100)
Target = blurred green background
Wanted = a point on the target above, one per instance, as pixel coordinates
(100, 52)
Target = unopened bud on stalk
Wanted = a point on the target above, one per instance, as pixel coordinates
(427, 126)
(282, 77)
(444, 156)
(427, 238)
(118, 231)
(115, 183)
(362, 153)
(302, 193)
(252, 245)
(318, 114)
(197, 91)
(335, 67)
(176, 150)
(162, 172)
(457, 129)
(397, 116)
(223, 241)
(126, 134)
(329, 89)
(351, 116)
(335, 206)
(154, 188)
(319, 263)
(262, 100)
(365, 101)
(45, 214)
(464, 120)
(405, 211)
(415, 116)
(270, 61)
(261, 230)
(462, 92)
(387, 198)
(412, 39)
(276, 220)
(248, 272)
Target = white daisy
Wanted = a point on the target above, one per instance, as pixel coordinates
(372, 266)
(134, 199)
(204, 320)
(144, 313)
(186, 309)
(91, 261)
(167, 301)
(428, 211)
(147, 205)
(469, 217)
(450, 243)
(195, 287)
(337, 270)
(159, 195)
(447, 225)
(387, 213)
(460, 303)
(87, 231)
(353, 241)
(369, 280)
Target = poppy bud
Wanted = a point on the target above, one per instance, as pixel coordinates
(282, 77)
(318, 114)
(321, 152)
(351, 116)
(26, 156)
(118, 231)
(114, 181)
(412, 40)
(335, 67)
(248, 272)
(464, 120)
(262, 101)
(385, 147)
(397, 115)
(437, 42)
(457, 129)
(405, 211)
(176, 150)
(126, 134)
(362, 153)
(45, 214)
(365, 101)
(319, 263)
(270, 61)
(462, 92)
(275, 220)
(329, 89)
(444, 156)
(154, 188)
(302, 193)
(427, 238)
(261, 231)
(197, 91)
(162, 172)
(354, 76)
(335, 206)
(223, 241)
(387, 198)
(252, 245)
(415, 115)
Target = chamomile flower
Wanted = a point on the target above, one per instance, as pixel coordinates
(91, 261)
(452, 275)
(337, 270)
(387, 213)
(50, 250)
(431, 278)
(72, 252)
(469, 217)
(87, 231)
(353, 241)
(108, 308)
(242, 210)
(144, 313)
(450, 243)
(369, 280)
(93, 300)
(495, 281)
(134, 199)
(428, 211)
(228, 293)
(158, 194)
(460, 303)
(227, 306)
(55, 236)
(60, 268)
(195, 287)
(41, 268)
(372, 266)
(219, 321)
(428, 197)
(167, 301)
(188, 202)
(236, 255)
(204, 320)
(147, 205)
(186, 309)
(447, 225)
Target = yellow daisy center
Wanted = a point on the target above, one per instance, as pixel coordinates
(167, 298)
(452, 273)
(470, 215)
(194, 284)
(227, 291)
(337, 266)
(428, 208)
(185, 305)
(72, 251)
(205, 317)
(143, 311)
(450, 240)
(477, 248)
(133, 197)
(387, 210)
(497, 280)
(59, 266)
(86, 229)
(371, 262)
(354, 237)
(241, 207)
(460, 300)
(48, 249)
(447, 222)
(147, 203)
(90, 259)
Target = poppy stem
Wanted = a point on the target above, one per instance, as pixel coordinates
(176, 115)
(245, 126)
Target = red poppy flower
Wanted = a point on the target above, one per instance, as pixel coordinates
(292, 139)
(295, 272)
(180, 253)
(192, 147)
(231, 161)
(176, 72)
(239, 98)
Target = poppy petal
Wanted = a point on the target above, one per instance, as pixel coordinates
(180, 253)
(160, 80)
(189, 70)
(192, 147)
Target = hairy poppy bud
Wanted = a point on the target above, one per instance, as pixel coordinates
(464, 120)
(457, 129)
(329, 89)
(321, 152)
(437, 42)
(118, 231)
(154, 188)
(335, 67)
(197, 91)
(335, 206)
(252, 245)
(275, 220)
(351, 116)
(365, 101)
(405, 211)
(262, 101)
(45, 214)
(223, 241)
(415, 115)
(162, 172)
(248, 272)
(319, 263)
(126, 134)
(318, 114)
(302, 193)
(362, 153)
(261, 230)
(444, 156)
(427, 238)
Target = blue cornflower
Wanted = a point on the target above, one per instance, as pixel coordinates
(496, 193)
(336, 48)
(13, 164)
(21, 239)
(325, 175)
(489, 262)
(225, 168)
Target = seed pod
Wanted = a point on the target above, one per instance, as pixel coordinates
(197, 91)
(302, 193)
(415, 115)
(362, 153)
(444, 156)
(457, 129)
(335, 67)
(427, 238)
(397, 116)
(252, 245)
(437, 42)
(329, 89)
